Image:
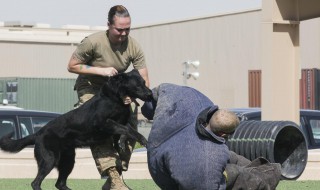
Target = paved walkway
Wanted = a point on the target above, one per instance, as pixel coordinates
(23, 165)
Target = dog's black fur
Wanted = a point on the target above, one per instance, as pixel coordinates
(102, 116)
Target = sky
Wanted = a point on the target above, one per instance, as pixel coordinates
(94, 12)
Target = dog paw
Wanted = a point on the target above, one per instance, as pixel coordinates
(122, 146)
(143, 141)
(122, 143)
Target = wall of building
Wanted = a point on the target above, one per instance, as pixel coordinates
(227, 46)
(310, 43)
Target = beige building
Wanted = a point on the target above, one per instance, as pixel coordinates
(227, 47)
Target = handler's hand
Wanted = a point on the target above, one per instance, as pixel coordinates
(108, 71)
(127, 100)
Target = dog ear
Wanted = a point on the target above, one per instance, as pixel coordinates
(133, 72)
(121, 83)
(112, 85)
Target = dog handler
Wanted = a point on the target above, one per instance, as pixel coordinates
(99, 56)
(186, 146)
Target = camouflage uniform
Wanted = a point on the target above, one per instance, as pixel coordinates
(105, 155)
(96, 50)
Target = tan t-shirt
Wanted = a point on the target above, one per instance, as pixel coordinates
(96, 50)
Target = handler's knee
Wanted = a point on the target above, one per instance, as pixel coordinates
(105, 156)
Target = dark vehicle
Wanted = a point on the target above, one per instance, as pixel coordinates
(309, 122)
(23, 122)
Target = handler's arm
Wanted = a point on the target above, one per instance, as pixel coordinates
(79, 67)
(144, 73)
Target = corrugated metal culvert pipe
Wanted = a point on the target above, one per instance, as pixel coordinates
(278, 141)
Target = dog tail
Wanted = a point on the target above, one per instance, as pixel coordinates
(9, 145)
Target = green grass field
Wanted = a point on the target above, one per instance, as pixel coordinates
(88, 184)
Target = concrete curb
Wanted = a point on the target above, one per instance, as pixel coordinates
(23, 165)
(312, 170)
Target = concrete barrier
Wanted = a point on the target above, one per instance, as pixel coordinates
(312, 170)
(23, 165)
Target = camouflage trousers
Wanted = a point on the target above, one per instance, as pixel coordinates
(105, 155)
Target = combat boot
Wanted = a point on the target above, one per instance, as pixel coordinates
(116, 182)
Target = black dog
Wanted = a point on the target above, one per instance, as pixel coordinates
(102, 116)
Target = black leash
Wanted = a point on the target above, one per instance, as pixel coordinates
(125, 183)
